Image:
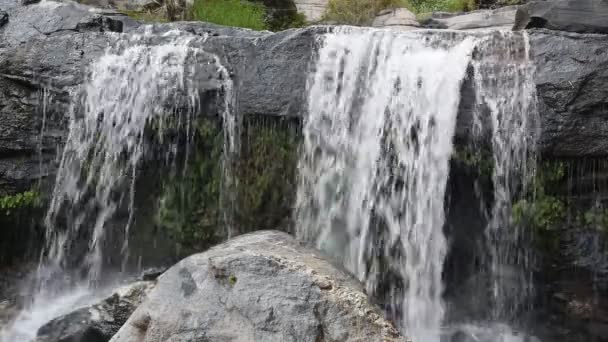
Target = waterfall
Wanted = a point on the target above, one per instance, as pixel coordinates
(104, 148)
(506, 91)
(139, 85)
(382, 110)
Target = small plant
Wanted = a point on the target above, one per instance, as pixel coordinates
(21, 200)
(232, 280)
(230, 13)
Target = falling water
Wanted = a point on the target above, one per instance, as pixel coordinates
(97, 174)
(506, 95)
(136, 85)
(378, 140)
(375, 161)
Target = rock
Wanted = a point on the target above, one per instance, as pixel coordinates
(502, 18)
(398, 18)
(152, 273)
(573, 96)
(257, 287)
(3, 18)
(582, 16)
(98, 322)
(313, 10)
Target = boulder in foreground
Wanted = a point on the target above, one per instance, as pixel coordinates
(262, 286)
(98, 322)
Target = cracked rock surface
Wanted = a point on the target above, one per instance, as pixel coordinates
(262, 286)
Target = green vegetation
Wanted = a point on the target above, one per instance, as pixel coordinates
(362, 12)
(425, 6)
(544, 210)
(190, 208)
(232, 280)
(266, 173)
(26, 199)
(474, 157)
(230, 13)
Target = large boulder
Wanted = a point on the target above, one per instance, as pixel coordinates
(313, 10)
(262, 286)
(502, 18)
(98, 322)
(582, 16)
(571, 83)
(396, 18)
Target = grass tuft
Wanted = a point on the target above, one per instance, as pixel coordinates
(230, 13)
(363, 12)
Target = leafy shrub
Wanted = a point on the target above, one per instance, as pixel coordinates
(425, 6)
(230, 13)
(20, 200)
(362, 12)
(356, 12)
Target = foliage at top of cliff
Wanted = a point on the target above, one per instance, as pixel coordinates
(363, 12)
(230, 13)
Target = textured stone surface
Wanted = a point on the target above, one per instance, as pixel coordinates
(262, 286)
(502, 18)
(98, 322)
(572, 88)
(45, 49)
(398, 18)
(313, 10)
(582, 16)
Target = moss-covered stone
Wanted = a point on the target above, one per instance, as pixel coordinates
(20, 226)
(193, 206)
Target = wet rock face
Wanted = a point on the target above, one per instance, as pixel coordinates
(501, 18)
(571, 85)
(581, 16)
(98, 322)
(262, 286)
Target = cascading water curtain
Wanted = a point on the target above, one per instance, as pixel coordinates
(506, 98)
(375, 163)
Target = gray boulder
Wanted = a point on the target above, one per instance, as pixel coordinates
(571, 83)
(397, 18)
(262, 286)
(582, 16)
(502, 18)
(313, 10)
(98, 322)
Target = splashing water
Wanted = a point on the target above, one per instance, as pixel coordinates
(375, 162)
(96, 178)
(136, 85)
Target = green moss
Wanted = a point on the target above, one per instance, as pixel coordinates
(230, 13)
(475, 158)
(426, 6)
(189, 204)
(10, 203)
(232, 280)
(542, 210)
(266, 173)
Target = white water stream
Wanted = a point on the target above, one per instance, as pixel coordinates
(378, 140)
(134, 85)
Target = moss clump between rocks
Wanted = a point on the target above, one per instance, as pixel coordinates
(191, 207)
